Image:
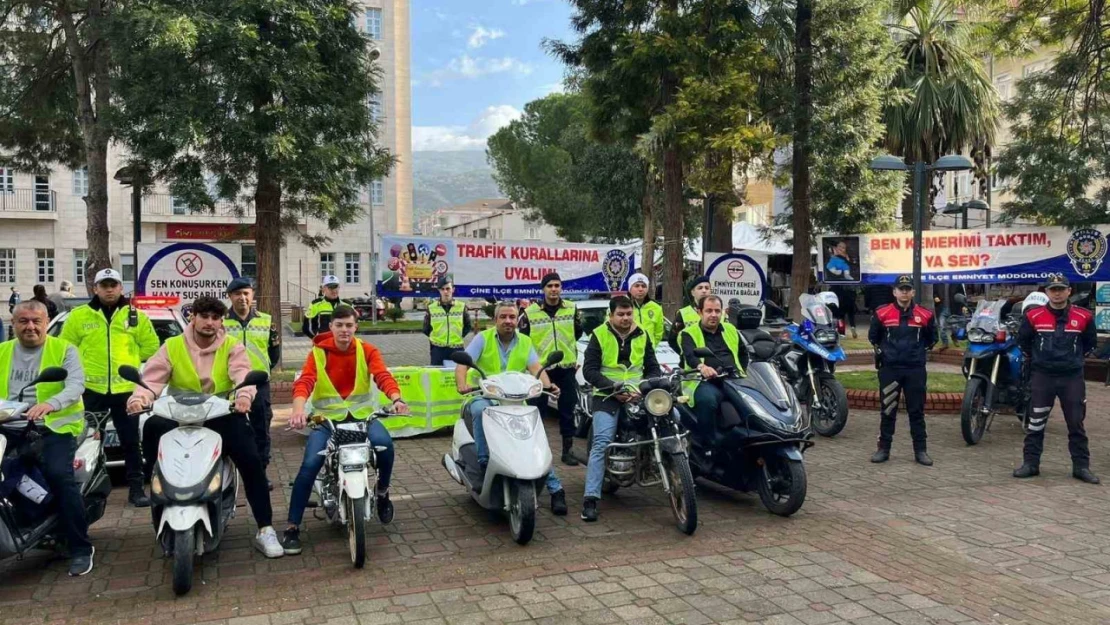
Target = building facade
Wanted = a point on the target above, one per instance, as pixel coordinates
(440, 221)
(508, 223)
(43, 223)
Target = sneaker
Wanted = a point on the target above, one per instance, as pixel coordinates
(385, 508)
(559, 503)
(880, 455)
(291, 541)
(81, 565)
(267, 542)
(589, 509)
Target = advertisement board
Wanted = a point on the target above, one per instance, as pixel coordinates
(740, 278)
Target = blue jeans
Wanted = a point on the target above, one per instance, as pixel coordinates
(605, 426)
(317, 441)
(476, 407)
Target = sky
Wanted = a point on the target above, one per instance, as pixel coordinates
(476, 63)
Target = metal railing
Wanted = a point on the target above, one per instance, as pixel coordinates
(166, 205)
(28, 200)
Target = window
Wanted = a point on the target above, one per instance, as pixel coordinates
(81, 182)
(327, 264)
(1004, 85)
(127, 267)
(42, 194)
(533, 233)
(7, 180)
(963, 186)
(352, 267)
(375, 105)
(178, 206)
(79, 259)
(374, 23)
(377, 193)
(7, 266)
(1034, 68)
(249, 265)
(45, 262)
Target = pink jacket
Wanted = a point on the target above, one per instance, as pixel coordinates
(156, 372)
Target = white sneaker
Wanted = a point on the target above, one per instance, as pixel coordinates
(267, 542)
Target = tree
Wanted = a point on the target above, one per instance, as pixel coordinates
(56, 98)
(259, 103)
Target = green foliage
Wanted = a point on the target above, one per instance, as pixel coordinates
(394, 313)
(489, 310)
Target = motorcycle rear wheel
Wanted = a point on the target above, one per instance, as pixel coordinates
(973, 422)
(833, 416)
(184, 548)
(684, 502)
(356, 530)
(522, 511)
(782, 485)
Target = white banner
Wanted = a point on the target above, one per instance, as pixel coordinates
(187, 270)
(738, 277)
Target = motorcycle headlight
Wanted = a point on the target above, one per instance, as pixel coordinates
(156, 486)
(214, 485)
(826, 337)
(658, 402)
(519, 426)
(490, 388)
(188, 414)
(354, 454)
(979, 335)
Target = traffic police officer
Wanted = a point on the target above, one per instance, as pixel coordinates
(446, 323)
(259, 334)
(698, 288)
(902, 333)
(648, 313)
(318, 316)
(1057, 337)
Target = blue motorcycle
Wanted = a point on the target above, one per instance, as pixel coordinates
(810, 366)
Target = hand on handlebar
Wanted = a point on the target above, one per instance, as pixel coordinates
(298, 420)
(136, 405)
(242, 404)
(707, 372)
(553, 390)
(39, 411)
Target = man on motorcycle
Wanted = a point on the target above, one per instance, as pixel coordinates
(901, 334)
(446, 323)
(723, 339)
(257, 332)
(497, 350)
(205, 359)
(553, 325)
(317, 318)
(698, 288)
(59, 407)
(342, 375)
(1057, 337)
(108, 333)
(619, 353)
(649, 314)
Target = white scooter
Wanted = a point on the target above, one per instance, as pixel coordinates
(519, 457)
(194, 485)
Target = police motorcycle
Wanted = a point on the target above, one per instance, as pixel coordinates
(28, 519)
(761, 432)
(995, 368)
(194, 486)
(809, 366)
(519, 456)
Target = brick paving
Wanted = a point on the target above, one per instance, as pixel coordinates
(960, 542)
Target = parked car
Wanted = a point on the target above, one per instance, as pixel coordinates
(594, 313)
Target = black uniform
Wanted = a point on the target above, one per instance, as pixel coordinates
(563, 377)
(902, 337)
(262, 413)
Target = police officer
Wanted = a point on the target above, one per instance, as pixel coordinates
(446, 323)
(901, 333)
(318, 316)
(1057, 337)
(648, 313)
(108, 332)
(259, 334)
(554, 324)
(698, 288)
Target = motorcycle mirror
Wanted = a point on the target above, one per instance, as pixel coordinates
(462, 358)
(254, 378)
(553, 359)
(131, 374)
(703, 352)
(49, 374)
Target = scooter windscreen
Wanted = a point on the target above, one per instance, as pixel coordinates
(764, 384)
(815, 310)
(190, 407)
(11, 410)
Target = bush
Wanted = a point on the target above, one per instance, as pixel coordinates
(394, 313)
(490, 310)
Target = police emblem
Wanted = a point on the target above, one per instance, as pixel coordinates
(615, 268)
(1086, 249)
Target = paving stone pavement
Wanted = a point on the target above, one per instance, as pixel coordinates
(960, 542)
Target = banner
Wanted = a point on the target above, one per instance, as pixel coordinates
(187, 270)
(1006, 255)
(490, 268)
(739, 278)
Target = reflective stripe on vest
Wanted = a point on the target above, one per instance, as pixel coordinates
(326, 400)
(732, 340)
(447, 326)
(549, 334)
(68, 420)
(490, 359)
(610, 352)
(184, 374)
(255, 336)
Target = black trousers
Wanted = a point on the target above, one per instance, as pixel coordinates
(57, 467)
(1072, 391)
(127, 428)
(440, 354)
(908, 383)
(261, 415)
(238, 443)
(564, 378)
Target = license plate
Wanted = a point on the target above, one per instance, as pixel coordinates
(111, 439)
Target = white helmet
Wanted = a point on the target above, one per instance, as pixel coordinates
(1033, 300)
(829, 298)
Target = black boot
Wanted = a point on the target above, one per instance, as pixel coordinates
(1084, 474)
(1027, 469)
(559, 503)
(568, 459)
(137, 496)
(922, 458)
(882, 454)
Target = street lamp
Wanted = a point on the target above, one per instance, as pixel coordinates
(950, 162)
(134, 176)
(953, 208)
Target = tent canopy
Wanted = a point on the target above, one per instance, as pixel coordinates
(746, 237)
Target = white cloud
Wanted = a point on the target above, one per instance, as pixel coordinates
(468, 67)
(470, 137)
(480, 36)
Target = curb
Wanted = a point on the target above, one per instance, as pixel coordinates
(934, 402)
(281, 393)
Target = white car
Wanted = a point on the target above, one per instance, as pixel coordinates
(594, 312)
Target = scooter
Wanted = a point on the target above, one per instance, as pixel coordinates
(810, 367)
(519, 456)
(344, 486)
(194, 485)
(27, 520)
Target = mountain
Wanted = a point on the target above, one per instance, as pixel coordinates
(448, 178)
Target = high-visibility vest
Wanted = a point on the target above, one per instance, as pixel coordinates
(650, 318)
(255, 336)
(550, 334)
(184, 375)
(732, 340)
(68, 420)
(327, 402)
(689, 316)
(611, 367)
(323, 307)
(490, 359)
(447, 326)
(104, 347)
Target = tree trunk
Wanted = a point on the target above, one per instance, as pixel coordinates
(674, 226)
(803, 88)
(647, 249)
(268, 241)
(722, 226)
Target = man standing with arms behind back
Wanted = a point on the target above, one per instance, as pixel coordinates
(446, 323)
(317, 318)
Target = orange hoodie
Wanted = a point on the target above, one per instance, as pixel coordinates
(341, 369)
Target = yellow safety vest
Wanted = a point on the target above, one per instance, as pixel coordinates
(490, 359)
(103, 348)
(447, 326)
(327, 402)
(323, 306)
(689, 316)
(549, 334)
(184, 374)
(610, 350)
(255, 336)
(732, 340)
(650, 318)
(68, 420)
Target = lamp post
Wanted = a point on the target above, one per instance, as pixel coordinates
(134, 176)
(951, 162)
(953, 208)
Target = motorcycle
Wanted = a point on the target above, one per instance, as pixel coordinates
(519, 456)
(194, 486)
(27, 520)
(809, 367)
(364, 306)
(996, 370)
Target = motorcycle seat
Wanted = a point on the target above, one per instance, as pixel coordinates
(761, 343)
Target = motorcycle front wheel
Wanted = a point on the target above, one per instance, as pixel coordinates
(782, 485)
(356, 530)
(973, 422)
(184, 548)
(522, 511)
(684, 503)
(833, 415)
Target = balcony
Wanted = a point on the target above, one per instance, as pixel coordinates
(28, 204)
(162, 207)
